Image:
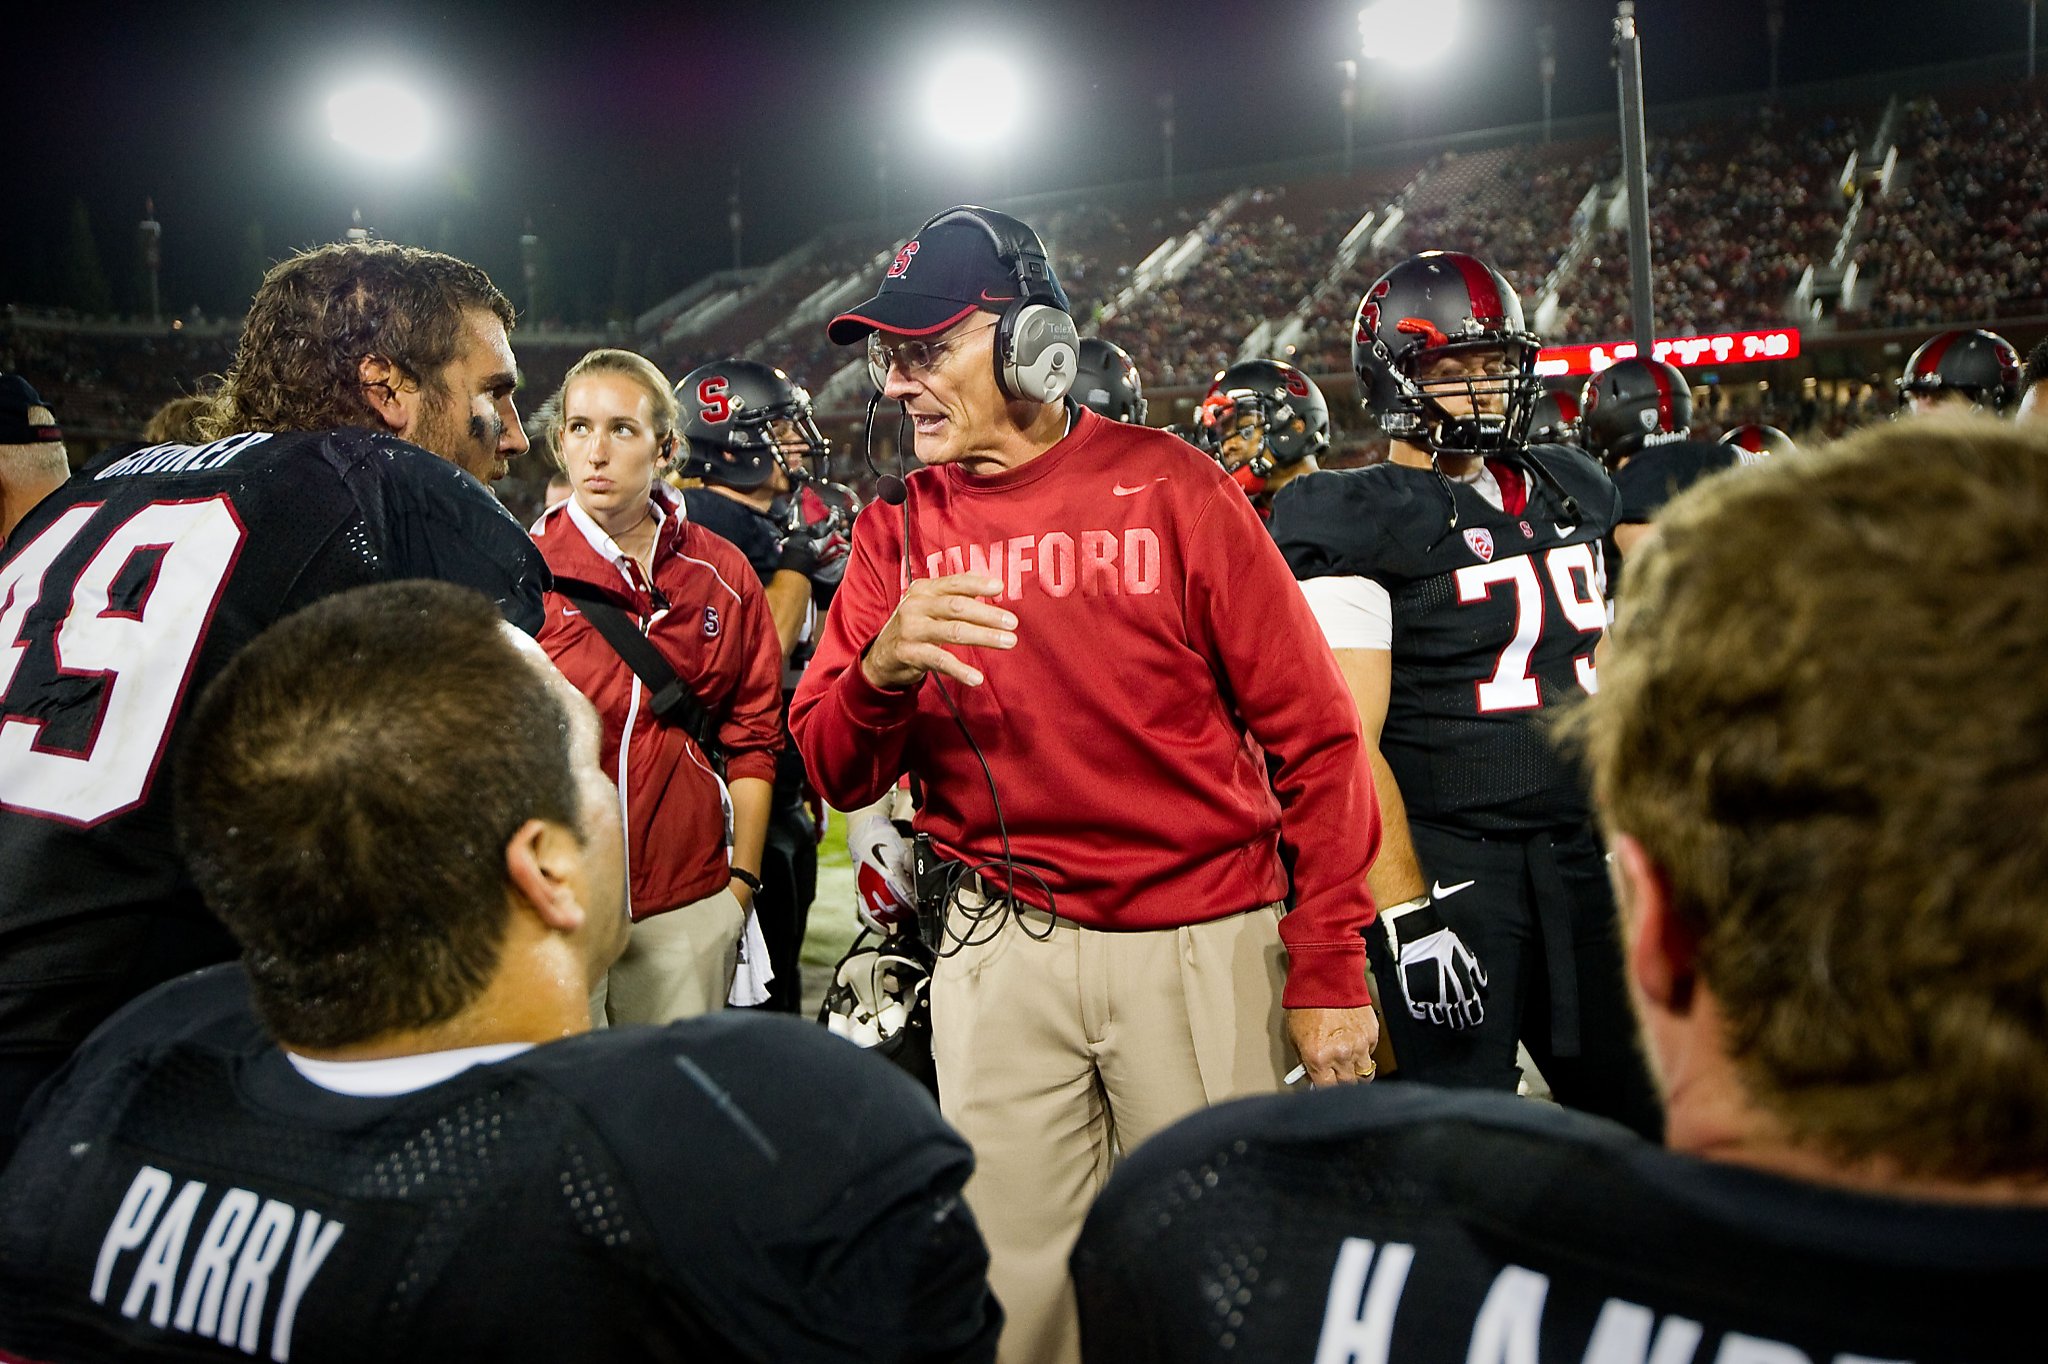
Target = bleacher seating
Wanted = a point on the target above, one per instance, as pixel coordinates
(1961, 236)
(1736, 215)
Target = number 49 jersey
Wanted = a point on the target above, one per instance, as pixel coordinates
(1494, 623)
(121, 596)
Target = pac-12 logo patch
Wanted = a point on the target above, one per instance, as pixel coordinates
(711, 622)
(1480, 541)
(900, 267)
(1648, 417)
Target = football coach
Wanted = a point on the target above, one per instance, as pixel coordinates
(1078, 640)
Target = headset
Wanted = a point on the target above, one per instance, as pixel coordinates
(1038, 348)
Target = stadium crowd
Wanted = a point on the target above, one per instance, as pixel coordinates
(1738, 215)
(403, 896)
(1254, 268)
(1965, 228)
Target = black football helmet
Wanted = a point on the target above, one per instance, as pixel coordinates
(1758, 441)
(1981, 365)
(1444, 304)
(1633, 403)
(727, 408)
(1293, 413)
(1106, 380)
(1554, 419)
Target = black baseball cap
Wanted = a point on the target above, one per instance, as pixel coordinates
(951, 268)
(25, 419)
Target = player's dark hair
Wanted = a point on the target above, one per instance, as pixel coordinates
(2037, 367)
(1822, 716)
(345, 793)
(319, 313)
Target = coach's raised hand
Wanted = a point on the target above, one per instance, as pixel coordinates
(936, 613)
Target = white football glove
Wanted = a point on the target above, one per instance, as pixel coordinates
(1440, 978)
(882, 874)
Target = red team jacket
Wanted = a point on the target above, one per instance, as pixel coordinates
(711, 623)
(1157, 626)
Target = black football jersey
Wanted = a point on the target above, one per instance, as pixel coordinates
(757, 534)
(1494, 623)
(121, 596)
(1657, 473)
(1410, 1225)
(727, 1188)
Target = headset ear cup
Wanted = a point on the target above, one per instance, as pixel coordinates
(878, 375)
(1038, 352)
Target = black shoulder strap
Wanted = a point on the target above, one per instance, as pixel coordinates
(671, 698)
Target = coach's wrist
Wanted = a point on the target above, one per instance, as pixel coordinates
(882, 679)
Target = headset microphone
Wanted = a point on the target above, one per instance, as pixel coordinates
(889, 487)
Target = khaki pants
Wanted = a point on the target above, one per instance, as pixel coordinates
(676, 965)
(1060, 1047)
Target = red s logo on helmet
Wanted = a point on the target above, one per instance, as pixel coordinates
(1297, 383)
(899, 267)
(711, 393)
(1369, 313)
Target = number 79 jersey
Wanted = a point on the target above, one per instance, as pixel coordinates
(121, 596)
(1494, 624)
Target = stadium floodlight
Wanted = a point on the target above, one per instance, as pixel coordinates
(381, 120)
(1410, 33)
(974, 99)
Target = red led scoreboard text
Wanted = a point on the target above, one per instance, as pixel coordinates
(1723, 348)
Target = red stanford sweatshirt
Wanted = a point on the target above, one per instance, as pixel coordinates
(1158, 627)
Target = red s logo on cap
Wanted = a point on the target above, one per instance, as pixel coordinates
(901, 265)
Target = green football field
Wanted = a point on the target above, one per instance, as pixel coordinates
(832, 924)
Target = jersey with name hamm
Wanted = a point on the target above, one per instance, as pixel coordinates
(1404, 1225)
(1657, 473)
(727, 1188)
(1495, 620)
(121, 596)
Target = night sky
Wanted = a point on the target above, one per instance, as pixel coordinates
(609, 125)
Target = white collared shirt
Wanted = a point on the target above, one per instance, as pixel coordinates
(659, 507)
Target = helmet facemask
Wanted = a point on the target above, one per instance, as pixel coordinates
(1474, 413)
(797, 447)
(1281, 435)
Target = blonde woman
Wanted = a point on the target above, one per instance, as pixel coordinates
(694, 838)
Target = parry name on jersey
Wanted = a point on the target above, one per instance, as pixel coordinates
(253, 1262)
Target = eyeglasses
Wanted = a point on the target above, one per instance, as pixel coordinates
(916, 357)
